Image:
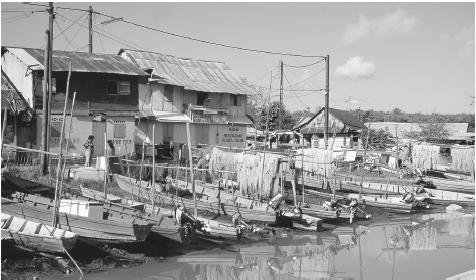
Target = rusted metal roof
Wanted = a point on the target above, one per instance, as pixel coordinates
(12, 98)
(81, 61)
(192, 74)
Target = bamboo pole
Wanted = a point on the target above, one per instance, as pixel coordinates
(153, 167)
(106, 162)
(195, 212)
(5, 115)
(58, 168)
(363, 163)
(302, 171)
(67, 141)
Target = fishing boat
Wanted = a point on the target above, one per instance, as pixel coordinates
(91, 230)
(213, 226)
(392, 204)
(163, 224)
(37, 236)
(249, 209)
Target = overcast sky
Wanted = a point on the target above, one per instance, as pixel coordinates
(415, 56)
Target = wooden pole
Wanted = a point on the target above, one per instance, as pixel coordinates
(195, 212)
(293, 183)
(67, 139)
(326, 109)
(302, 172)
(5, 115)
(363, 163)
(44, 121)
(153, 167)
(58, 168)
(106, 161)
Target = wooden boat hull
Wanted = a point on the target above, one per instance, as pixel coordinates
(90, 230)
(245, 205)
(216, 228)
(37, 236)
(164, 224)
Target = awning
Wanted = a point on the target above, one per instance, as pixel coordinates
(239, 120)
(164, 116)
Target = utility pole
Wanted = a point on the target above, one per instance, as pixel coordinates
(44, 121)
(281, 110)
(50, 68)
(90, 29)
(326, 117)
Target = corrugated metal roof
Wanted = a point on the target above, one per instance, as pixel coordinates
(81, 61)
(11, 97)
(165, 116)
(344, 116)
(192, 74)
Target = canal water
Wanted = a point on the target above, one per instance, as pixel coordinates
(431, 246)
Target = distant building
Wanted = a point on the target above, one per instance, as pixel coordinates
(206, 94)
(107, 91)
(344, 129)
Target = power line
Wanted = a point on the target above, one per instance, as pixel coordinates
(188, 37)
(97, 32)
(75, 34)
(299, 99)
(64, 35)
(307, 65)
(303, 80)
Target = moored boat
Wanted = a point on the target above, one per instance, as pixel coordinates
(37, 236)
(92, 230)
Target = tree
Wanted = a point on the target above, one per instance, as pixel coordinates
(378, 139)
(433, 130)
(273, 117)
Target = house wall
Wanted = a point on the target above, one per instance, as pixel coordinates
(91, 94)
(20, 76)
(340, 141)
(82, 127)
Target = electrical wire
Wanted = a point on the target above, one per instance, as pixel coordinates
(188, 37)
(64, 35)
(299, 99)
(307, 65)
(97, 32)
(303, 80)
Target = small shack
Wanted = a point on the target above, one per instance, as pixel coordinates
(344, 130)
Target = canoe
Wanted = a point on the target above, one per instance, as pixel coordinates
(163, 225)
(212, 227)
(37, 236)
(91, 230)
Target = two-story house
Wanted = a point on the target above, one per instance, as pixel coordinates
(107, 92)
(206, 94)
(344, 129)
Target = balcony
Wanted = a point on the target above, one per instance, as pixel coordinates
(204, 114)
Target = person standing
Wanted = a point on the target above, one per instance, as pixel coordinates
(89, 146)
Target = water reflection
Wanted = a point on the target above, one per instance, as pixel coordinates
(353, 252)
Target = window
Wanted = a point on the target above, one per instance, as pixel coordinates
(124, 87)
(112, 87)
(119, 129)
(169, 93)
(55, 129)
(234, 100)
(201, 97)
(58, 85)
